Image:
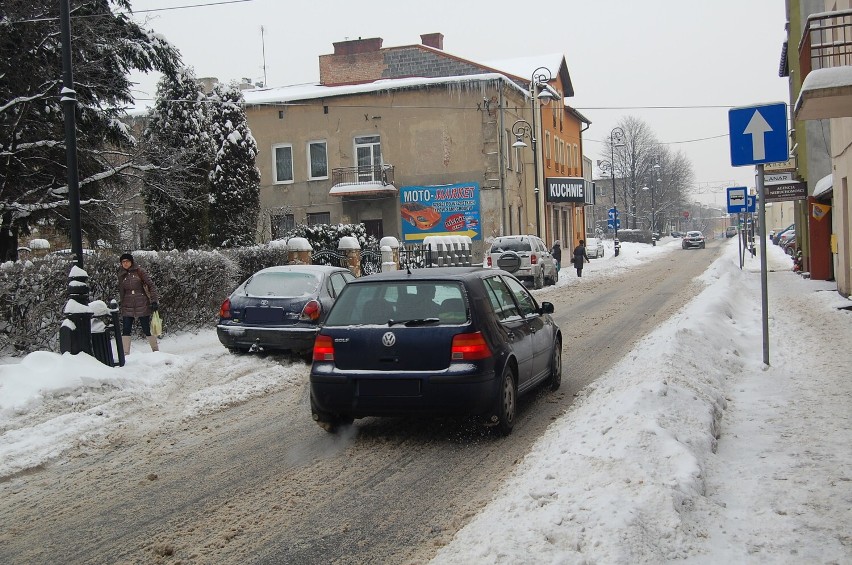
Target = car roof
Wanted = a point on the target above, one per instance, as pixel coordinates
(430, 273)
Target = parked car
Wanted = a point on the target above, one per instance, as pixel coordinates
(280, 308)
(677, 234)
(420, 216)
(525, 256)
(731, 231)
(458, 341)
(789, 245)
(594, 246)
(693, 239)
(776, 238)
(785, 237)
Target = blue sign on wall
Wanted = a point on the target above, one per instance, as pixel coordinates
(758, 134)
(448, 209)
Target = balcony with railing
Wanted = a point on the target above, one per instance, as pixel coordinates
(363, 181)
(825, 63)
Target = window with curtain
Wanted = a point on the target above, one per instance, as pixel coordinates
(282, 156)
(317, 160)
(319, 218)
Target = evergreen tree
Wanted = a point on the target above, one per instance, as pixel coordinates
(235, 179)
(105, 47)
(180, 148)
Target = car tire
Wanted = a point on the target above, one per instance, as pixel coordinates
(329, 422)
(702, 246)
(538, 279)
(507, 402)
(509, 262)
(555, 379)
(555, 276)
(238, 350)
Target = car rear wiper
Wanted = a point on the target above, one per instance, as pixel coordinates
(414, 322)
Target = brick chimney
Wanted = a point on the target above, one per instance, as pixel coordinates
(359, 45)
(434, 40)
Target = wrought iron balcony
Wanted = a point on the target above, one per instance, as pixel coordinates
(382, 174)
(826, 44)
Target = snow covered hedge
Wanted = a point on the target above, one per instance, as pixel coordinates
(192, 286)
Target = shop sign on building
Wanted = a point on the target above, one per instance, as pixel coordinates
(565, 189)
(447, 209)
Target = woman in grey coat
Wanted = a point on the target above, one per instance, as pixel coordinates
(138, 298)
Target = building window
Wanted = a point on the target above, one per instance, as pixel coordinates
(282, 156)
(319, 218)
(576, 157)
(368, 157)
(317, 160)
(547, 146)
(281, 224)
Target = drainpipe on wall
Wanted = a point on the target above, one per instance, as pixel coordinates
(502, 165)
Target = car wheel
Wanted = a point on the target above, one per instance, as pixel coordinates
(702, 246)
(555, 276)
(555, 380)
(538, 279)
(329, 422)
(509, 261)
(507, 403)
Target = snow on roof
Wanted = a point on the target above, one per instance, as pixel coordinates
(833, 77)
(299, 92)
(823, 185)
(343, 189)
(525, 66)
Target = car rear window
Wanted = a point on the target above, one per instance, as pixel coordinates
(500, 246)
(380, 302)
(285, 284)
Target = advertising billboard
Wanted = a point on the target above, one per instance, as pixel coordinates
(447, 209)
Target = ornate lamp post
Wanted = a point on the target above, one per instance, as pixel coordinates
(654, 183)
(616, 139)
(521, 129)
(539, 79)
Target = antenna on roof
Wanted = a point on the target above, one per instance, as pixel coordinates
(263, 45)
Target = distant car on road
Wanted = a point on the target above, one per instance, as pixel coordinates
(594, 246)
(731, 231)
(420, 216)
(280, 308)
(525, 256)
(693, 239)
(453, 341)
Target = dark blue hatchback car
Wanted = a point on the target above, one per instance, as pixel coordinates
(440, 341)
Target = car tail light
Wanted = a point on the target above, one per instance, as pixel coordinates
(323, 348)
(469, 347)
(225, 309)
(489, 261)
(311, 311)
(533, 259)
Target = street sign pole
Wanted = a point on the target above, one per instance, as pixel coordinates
(764, 287)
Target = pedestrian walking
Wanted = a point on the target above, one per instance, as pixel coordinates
(557, 253)
(138, 298)
(580, 257)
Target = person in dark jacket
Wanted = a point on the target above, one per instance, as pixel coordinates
(557, 253)
(138, 299)
(580, 257)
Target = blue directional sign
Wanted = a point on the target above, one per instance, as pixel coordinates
(610, 225)
(751, 204)
(758, 134)
(612, 213)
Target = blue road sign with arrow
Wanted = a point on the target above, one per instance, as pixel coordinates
(758, 134)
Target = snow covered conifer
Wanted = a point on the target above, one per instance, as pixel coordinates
(234, 179)
(180, 145)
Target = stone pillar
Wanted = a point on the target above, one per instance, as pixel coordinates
(299, 251)
(350, 247)
(391, 262)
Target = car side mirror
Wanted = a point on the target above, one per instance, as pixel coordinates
(547, 308)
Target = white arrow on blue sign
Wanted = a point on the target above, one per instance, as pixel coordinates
(758, 134)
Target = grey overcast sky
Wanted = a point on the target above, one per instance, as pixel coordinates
(697, 58)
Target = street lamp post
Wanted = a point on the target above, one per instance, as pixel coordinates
(540, 77)
(616, 139)
(656, 168)
(521, 129)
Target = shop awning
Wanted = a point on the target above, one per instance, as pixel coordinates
(823, 187)
(376, 188)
